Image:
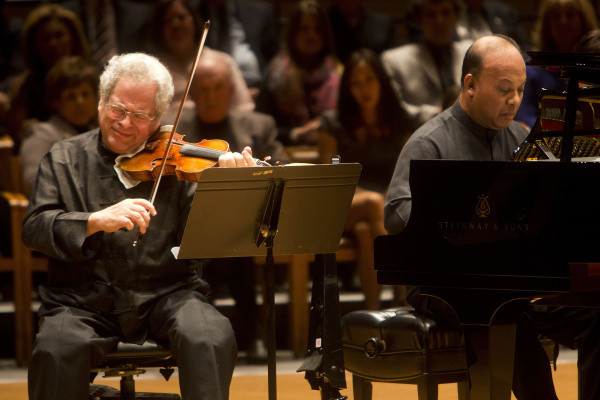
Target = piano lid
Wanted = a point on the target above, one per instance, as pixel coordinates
(584, 67)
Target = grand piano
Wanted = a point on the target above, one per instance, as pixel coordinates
(491, 237)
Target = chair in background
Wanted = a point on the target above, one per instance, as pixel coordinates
(13, 206)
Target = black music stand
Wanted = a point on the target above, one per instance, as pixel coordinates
(238, 212)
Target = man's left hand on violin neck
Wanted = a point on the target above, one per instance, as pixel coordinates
(235, 159)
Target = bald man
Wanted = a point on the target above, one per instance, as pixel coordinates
(213, 118)
(478, 126)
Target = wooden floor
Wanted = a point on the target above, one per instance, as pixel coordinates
(291, 386)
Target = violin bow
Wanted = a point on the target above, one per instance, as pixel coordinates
(185, 94)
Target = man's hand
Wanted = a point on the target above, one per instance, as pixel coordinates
(229, 160)
(126, 214)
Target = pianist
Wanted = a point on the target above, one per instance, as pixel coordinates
(479, 126)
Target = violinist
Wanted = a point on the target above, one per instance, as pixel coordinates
(100, 288)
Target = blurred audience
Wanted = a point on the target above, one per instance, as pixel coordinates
(10, 64)
(369, 127)
(99, 20)
(11, 60)
(559, 27)
(302, 81)
(245, 29)
(423, 74)
(71, 88)
(175, 36)
(50, 32)
(213, 118)
(485, 17)
(355, 27)
(561, 24)
(112, 26)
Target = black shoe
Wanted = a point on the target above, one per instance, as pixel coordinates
(257, 352)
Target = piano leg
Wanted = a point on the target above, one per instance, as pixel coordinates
(494, 347)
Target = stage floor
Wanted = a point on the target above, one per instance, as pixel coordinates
(250, 382)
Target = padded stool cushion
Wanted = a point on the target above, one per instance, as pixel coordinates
(148, 354)
(400, 344)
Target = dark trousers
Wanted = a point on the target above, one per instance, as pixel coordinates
(71, 341)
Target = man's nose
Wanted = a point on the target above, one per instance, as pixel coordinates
(515, 98)
(126, 120)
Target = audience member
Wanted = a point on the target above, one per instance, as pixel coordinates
(485, 17)
(355, 27)
(175, 36)
(423, 73)
(245, 29)
(303, 81)
(213, 118)
(71, 88)
(112, 26)
(50, 32)
(561, 24)
(367, 127)
(212, 90)
(559, 27)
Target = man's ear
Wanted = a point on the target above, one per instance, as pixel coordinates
(469, 84)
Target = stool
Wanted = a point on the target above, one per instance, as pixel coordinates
(400, 345)
(128, 361)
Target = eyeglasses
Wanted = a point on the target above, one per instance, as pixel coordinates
(118, 113)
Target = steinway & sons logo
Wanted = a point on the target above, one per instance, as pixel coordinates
(483, 207)
(482, 221)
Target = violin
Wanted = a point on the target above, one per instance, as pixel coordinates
(186, 160)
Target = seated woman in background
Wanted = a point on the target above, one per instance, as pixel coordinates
(368, 127)
(560, 26)
(302, 81)
(175, 34)
(49, 33)
(71, 88)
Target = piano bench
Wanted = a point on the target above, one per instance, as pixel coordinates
(400, 345)
(128, 361)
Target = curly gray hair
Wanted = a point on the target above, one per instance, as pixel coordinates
(140, 67)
